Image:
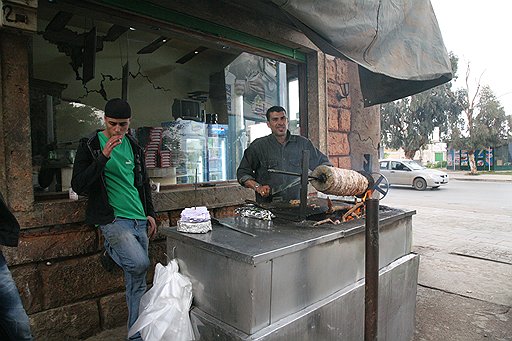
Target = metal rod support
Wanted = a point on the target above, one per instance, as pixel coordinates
(371, 283)
(272, 170)
(304, 184)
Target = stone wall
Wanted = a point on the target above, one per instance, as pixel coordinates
(338, 113)
(353, 130)
(65, 290)
(15, 149)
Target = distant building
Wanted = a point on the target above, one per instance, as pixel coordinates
(493, 158)
(432, 154)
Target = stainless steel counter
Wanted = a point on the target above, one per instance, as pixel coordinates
(252, 284)
(276, 238)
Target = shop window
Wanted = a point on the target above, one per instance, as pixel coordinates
(195, 105)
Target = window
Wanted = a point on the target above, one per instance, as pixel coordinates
(397, 165)
(439, 157)
(384, 164)
(411, 165)
(201, 103)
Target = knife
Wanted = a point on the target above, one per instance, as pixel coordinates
(284, 188)
(230, 226)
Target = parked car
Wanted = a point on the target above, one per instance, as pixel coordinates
(409, 172)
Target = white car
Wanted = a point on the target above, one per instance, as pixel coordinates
(409, 172)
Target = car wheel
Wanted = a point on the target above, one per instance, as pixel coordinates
(419, 184)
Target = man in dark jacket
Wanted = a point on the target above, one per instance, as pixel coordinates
(109, 168)
(14, 322)
(279, 150)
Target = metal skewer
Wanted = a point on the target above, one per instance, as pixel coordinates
(195, 191)
(229, 226)
(277, 171)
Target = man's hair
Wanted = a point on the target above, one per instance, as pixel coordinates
(275, 108)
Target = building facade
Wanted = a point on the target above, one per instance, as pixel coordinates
(198, 63)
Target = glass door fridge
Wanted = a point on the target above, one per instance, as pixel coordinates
(217, 154)
(191, 160)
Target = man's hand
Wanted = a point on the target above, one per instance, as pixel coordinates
(152, 228)
(112, 142)
(264, 190)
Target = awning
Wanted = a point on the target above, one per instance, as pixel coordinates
(396, 43)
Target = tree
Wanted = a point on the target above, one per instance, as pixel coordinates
(402, 127)
(76, 120)
(485, 123)
(491, 126)
(509, 129)
(469, 122)
(408, 123)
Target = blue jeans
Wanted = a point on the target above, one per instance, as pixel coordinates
(126, 241)
(14, 323)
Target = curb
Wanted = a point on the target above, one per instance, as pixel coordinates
(488, 180)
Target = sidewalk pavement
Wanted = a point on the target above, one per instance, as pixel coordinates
(116, 334)
(464, 287)
(481, 176)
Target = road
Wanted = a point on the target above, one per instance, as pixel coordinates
(463, 233)
(472, 196)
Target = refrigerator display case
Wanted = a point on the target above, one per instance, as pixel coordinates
(217, 152)
(191, 158)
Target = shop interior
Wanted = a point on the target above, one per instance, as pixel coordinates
(196, 103)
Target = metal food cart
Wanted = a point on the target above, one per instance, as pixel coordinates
(296, 281)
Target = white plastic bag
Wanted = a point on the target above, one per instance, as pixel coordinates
(164, 309)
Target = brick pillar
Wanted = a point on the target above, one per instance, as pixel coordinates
(339, 114)
(364, 134)
(15, 147)
(317, 110)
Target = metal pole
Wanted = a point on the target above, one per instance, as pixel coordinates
(304, 184)
(371, 283)
(489, 158)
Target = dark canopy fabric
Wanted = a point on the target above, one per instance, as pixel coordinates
(397, 43)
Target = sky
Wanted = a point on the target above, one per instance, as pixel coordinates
(479, 32)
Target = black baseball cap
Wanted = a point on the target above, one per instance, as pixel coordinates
(118, 108)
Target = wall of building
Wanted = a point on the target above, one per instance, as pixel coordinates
(16, 162)
(339, 116)
(425, 156)
(353, 131)
(66, 292)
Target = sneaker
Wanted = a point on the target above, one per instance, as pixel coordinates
(107, 262)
